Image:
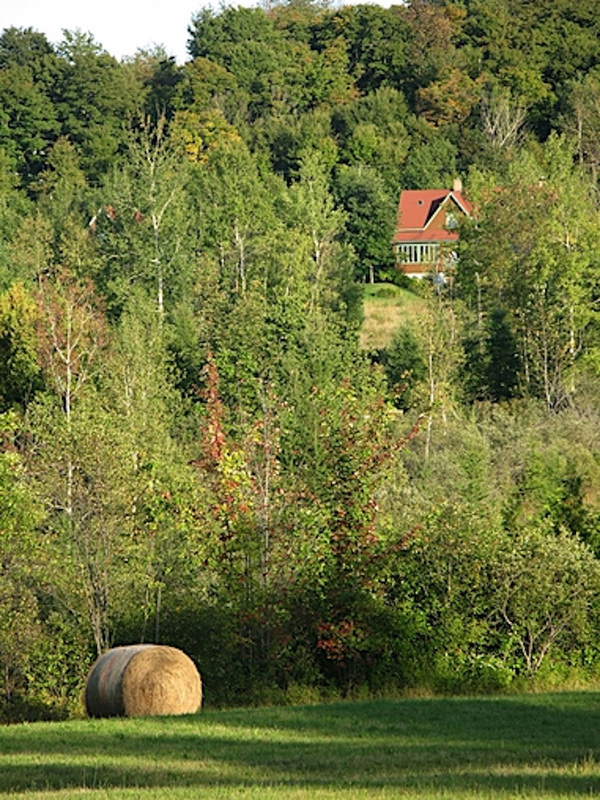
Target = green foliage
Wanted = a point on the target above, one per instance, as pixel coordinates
(183, 257)
(28, 121)
(267, 64)
(528, 261)
(375, 39)
(13, 208)
(404, 366)
(92, 101)
(373, 132)
(431, 161)
(492, 364)
(20, 374)
(145, 236)
(547, 584)
(20, 629)
(371, 217)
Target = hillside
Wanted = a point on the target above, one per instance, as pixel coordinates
(194, 448)
(386, 308)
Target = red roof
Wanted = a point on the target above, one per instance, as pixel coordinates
(417, 212)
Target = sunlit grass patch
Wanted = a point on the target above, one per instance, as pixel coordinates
(526, 746)
(386, 308)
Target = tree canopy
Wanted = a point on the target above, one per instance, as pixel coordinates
(195, 447)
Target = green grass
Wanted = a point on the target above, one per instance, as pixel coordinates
(386, 308)
(510, 747)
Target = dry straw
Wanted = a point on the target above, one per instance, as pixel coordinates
(143, 680)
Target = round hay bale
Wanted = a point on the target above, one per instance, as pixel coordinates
(143, 680)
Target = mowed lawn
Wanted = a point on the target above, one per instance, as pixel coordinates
(543, 745)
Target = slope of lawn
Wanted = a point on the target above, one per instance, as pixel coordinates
(386, 307)
(523, 746)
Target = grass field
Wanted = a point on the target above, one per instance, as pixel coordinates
(386, 307)
(543, 745)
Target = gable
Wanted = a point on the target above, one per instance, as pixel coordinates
(422, 214)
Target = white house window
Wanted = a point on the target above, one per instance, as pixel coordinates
(451, 220)
(417, 253)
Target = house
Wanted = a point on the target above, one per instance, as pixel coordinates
(427, 227)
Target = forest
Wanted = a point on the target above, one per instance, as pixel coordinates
(196, 449)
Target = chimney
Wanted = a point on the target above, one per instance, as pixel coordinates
(457, 185)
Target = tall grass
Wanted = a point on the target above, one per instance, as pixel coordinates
(524, 746)
(386, 308)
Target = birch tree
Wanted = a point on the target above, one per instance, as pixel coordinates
(313, 212)
(532, 255)
(145, 230)
(74, 455)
